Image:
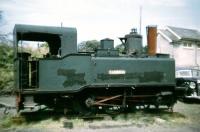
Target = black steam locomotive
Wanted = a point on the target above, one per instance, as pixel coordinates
(102, 80)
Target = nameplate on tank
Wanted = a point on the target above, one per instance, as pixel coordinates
(116, 72)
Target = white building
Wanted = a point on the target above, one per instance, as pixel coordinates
(182, 44)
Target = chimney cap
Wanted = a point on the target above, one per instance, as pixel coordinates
(154, 26)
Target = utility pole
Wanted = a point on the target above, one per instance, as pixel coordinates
(140, 19)
(61, 24)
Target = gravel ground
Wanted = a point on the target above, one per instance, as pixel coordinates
(186, 118)
(8, 101)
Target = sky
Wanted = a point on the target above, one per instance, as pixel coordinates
(99, 19)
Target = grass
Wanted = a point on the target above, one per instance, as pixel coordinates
(6, 122)
(184, 114)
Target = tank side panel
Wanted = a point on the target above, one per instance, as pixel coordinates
(67, 74)
(74, 72)
(134, 71)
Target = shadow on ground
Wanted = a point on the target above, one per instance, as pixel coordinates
(34, 117)
(150, 114)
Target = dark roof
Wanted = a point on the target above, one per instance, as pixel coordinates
(186, 33)
(177, 33)
(22, 28)
(169, 35)
(40, 33)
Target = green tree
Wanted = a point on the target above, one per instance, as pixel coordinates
(6, 63)
(6, 68)
(120, 48)
(88, 46)
(145, 49)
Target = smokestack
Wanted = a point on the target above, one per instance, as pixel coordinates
(151, 40)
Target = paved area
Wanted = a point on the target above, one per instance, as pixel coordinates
(7, 106)
(7, 100)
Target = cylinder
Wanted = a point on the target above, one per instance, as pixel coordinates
(151, 40)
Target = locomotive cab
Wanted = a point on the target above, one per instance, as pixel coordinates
(27, 64)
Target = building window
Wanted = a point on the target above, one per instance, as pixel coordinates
(188, 45)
